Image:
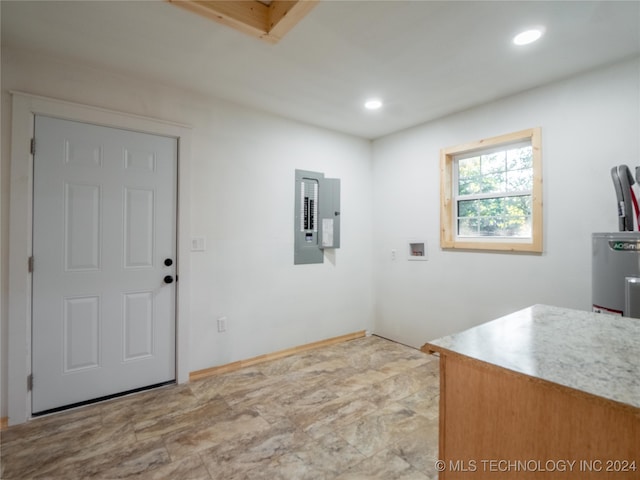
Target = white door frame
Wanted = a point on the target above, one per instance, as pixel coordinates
(25, 107)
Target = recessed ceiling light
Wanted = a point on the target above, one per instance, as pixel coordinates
(527, 37)
(373, 104)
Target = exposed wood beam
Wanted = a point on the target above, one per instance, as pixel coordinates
(270, 23)
(247, 16)
(285, 14)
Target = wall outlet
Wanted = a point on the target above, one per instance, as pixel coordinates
(222, 324)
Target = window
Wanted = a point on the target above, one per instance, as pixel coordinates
(491, 194)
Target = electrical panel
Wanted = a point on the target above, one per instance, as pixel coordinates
(317, 216)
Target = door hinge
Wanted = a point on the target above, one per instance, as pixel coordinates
(30, 382)
(33, 146)
(30, 264)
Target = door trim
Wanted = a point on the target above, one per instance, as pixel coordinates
(24, 108)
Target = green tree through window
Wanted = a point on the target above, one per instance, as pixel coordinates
(494, 193)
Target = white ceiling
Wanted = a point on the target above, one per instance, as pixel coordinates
(426, 59)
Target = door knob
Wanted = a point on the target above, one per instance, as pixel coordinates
(168, 279)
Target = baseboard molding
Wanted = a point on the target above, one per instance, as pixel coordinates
(230, 367)
(4, 423)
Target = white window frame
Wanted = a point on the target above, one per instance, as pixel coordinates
(449, 238)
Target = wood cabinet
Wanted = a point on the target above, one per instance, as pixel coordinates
(499, 423)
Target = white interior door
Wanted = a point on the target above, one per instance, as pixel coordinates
(104, 248)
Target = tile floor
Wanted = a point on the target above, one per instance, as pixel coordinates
(363, 409)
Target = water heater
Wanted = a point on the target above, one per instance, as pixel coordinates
(616, 273)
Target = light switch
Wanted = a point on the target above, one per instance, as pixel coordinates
(198, 244)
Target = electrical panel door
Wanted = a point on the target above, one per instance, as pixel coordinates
(330, 213)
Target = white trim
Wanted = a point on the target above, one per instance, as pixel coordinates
(457, 197)
(24, 108)
(111, 113)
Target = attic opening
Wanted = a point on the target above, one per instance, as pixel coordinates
(269, 20)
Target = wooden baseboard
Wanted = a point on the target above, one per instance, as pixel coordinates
(4, 423)
(230, 367)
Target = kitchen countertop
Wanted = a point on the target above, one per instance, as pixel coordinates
(594, 353)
